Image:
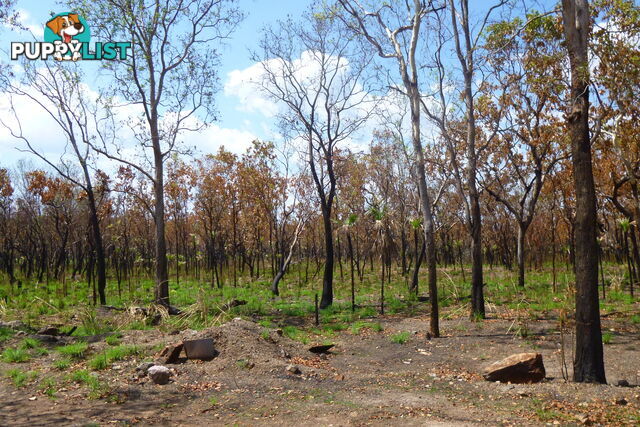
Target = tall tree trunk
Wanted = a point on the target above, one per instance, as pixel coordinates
(162, 273)
(425, 205)
(522, 230)
(327, 279)
(588, 365)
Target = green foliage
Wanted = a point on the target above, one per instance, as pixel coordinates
(49, 387)
(113, 340)
(377, 327)
(607, 337)
(28, 343)
(15, 355)
(400, 337)
(20, 378)
(295, 334)
(62, 364)
(110, 355)
(76, 350)
(6, 334)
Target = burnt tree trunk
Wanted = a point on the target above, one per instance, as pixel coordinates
(588, 365)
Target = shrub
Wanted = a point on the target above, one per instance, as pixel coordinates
(76, 350)
(400, 337)
(15, 355)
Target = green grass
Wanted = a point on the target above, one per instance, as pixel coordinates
(400, 337)
(76, 350)
(103, 360)
(62, 364)
(607, 337)
(49, 387)
(113, 340)
(20, 378)
(28, 343)
(296, 334)
(82, 376)
(6, 334)
(15, 355)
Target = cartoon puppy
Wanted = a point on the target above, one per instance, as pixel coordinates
(66, 26)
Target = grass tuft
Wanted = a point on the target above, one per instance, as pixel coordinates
(15, 355)
(76, 350)
(400, 337)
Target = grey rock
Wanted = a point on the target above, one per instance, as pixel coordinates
(143, 368)
(159, 374)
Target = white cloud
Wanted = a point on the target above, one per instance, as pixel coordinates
(245, 85)
(213, 137)
(25, 20)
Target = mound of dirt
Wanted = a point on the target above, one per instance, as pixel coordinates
(245, 343)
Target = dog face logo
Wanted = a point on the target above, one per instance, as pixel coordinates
(68, 28)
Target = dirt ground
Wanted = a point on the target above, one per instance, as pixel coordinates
(365, 380)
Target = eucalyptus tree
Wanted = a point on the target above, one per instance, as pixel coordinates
(588, 364)
(167, 83)
(316, 74)
(457, 36)
(529, 142)
(57, 90)
(394, 31)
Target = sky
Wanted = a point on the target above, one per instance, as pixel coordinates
(242, 114)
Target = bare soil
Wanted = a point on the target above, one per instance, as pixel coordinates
(365, 380)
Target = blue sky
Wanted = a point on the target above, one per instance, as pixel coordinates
(239, 118)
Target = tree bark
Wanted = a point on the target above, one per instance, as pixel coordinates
(162, 272)
(522, 230)
(588, 365)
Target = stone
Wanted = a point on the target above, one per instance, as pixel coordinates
(143, 368)
(622, 401)
(47, 339)
(171, 353)
(284, 353)
(623, 383)
(14, 324)
(321, 349)
(518, 369)
(49, 330)
(583, 419)
(293, 369)
(159, 374)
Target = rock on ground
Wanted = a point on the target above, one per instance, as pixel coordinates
(517, 368)
(159, 374)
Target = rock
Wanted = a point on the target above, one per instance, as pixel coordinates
(159, 374)
(14, 324)
(201, 349)
(320, 349)
(517, 368)
(171, 353)
(623, 383)
(49, 330)
(284, 353)
(583, 419)
(293, 369)
(50, 339)
(143, 368)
